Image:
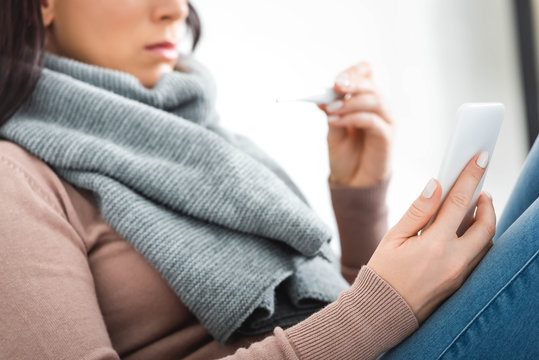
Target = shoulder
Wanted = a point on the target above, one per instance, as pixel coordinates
(13, 153)
(27, 182)
(21, 171)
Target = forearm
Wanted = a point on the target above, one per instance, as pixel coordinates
(361, 215)
(367, 319)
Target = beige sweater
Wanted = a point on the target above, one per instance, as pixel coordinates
(72, 288)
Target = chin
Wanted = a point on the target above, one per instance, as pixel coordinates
(150, 77)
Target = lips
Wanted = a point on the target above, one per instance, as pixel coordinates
(165, 50)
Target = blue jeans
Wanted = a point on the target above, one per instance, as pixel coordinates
(495, 314)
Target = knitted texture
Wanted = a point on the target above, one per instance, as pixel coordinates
(216, 216)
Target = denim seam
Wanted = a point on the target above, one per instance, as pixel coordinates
(488, 304)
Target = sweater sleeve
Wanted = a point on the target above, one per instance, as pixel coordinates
(48, 304)
(361, 215)
(367, 319)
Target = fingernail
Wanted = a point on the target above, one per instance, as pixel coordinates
(343, 80)
(429, 189)
(333, 118)
(482, 160)
(334, 105)
(488, 194)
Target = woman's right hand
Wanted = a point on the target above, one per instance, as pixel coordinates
(425, 269)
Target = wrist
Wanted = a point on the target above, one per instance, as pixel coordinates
(359, 204)
(359, 181)
(372, 194)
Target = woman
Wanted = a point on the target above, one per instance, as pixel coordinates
(91, 133)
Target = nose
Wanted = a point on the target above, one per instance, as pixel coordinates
(170, 10)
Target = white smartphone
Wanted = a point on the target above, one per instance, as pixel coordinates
(477, 130)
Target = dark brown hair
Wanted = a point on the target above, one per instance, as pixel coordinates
(22, 42)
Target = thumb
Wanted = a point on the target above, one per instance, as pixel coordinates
(420, 212)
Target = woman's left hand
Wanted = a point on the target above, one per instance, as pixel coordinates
(360, 131)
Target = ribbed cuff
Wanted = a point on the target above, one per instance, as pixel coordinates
(366, 320)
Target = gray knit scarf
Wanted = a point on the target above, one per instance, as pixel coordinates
(216, 216)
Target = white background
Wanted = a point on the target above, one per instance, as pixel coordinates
(428, 57)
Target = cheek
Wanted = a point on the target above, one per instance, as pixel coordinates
(100, 32)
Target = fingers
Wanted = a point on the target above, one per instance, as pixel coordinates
(477, 240)
(460, 196)
(478, 257)
(420, 212)
(363, 102)
(483, 228)
(359, 102)
(361, 107)
(360, 94)
(354, 78)
(363, 120)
